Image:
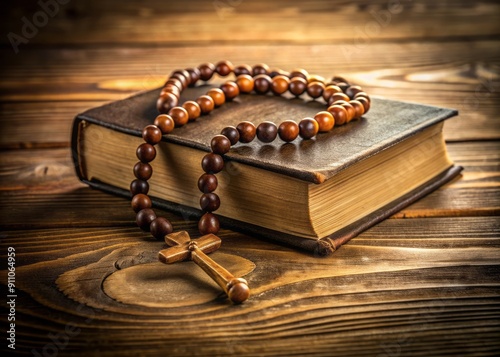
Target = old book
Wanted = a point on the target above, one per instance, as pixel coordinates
(313, 194)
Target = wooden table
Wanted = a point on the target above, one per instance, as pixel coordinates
(425, 282)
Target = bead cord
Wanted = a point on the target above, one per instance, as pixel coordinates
(345, 102)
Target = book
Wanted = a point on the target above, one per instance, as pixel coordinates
(312, 194)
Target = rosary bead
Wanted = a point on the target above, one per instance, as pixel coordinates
(152, 134)
(209, 202)
(144, 218)
(260, 68)
(315, 89)
(299, 72)
(366, 103)
(146, 152)
(288, 130)
(339, 114)
(165, 123)
(184, 78)
(166, 101)
(206, 103)
(217, 95)
(278, 72)
(170, 88)
(242, 69)
(362, 94)
(298, 85)
(143, 171)
(220, 144)
(358, 107)
(315, 78)
(232, 134)
(208, 224)
(308, 128)
(176, 82)
(194, 76)
(179, 115)
(343, 86)
(325, 121)
(160, 227)
(351, 112)
(353, 90)
(207, 183)
(338, 79)
(267, 131)
(140, 201)
(206, 71)
(338, 96)
(279, 84)
(224, 68)
(330, 90)
(212, 163)
(230, 90)
(247, 131)
(245, 83)
(139, 186)
(262, 83)
(193, 109)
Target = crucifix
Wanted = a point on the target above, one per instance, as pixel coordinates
(182, 247)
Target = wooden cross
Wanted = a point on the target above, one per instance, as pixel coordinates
(182, 247)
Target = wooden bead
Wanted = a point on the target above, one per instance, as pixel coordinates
(144, 218)
(207, 183)
(298, 85)
(288, 130)
(220, 144)
(166, 101)
(139, 186)
(315, 78)
(179, 115)
(279, 72)
(260, 68)
(165, 123)
(170, 88)
(146, 152)
(245, 83)
(152, 134)
(262, 83)
(343, 86)
(217, 95)
(183, 78)
(212, 163)
(247, 131)
(206, 103)
(279, 84)
(143, 171)
(308, 128)
(338, 96)
(325, 121)
(329, 91)
(194, 74)
(366, 103)
(231, 133)
(339, 114)
(242, 69)
(267, 131)
(338, 79)
(230, 90)
(358, 107)
(362, 94)
(299, 72)
(315, 89)
(206, 71)
(140, 201)
(193, 109)
(176, 82)
(351, 112)
(160, 227)
(208, 224)
(353, 90)
(209, 202)
(224, 68)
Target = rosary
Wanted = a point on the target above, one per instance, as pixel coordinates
(345, 102)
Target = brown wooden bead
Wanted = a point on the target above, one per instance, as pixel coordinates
(207, 183)
(329, 91)
(208, 224)
(338, 79)
(139, 186)
(206, 71)
(339, 114)
(358, 107)
(298, 85)
(160, 227)
(366, 103)
(338, 96)
(299, 72)
(212, 163)
(224, 68)
(193, 109)
(166, 101)
(144, 218)
(262, 83)
(362, 94)
(220, 144)
(217, 95)
(351, 112)
(353, 90)
(279, 72)
(170, 88)
(288, 130)
(242, 69)
(176, 82)
(315, 78)
(206, 103)
(146, 152)
(140, 201)
(165, 123)
(143, 171)
(325, 121)
(184, 78)
(308, 128)
(247, 131)
(245, 83)
(315, 89)
(179, 115)
(194, 74)
(343, 86)
(230, 90)
(279, 84)
(267, 131)
(152, 134)
(209, 202)
(260, 68)
(231, 133)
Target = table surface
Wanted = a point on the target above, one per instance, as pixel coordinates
(424, 282)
